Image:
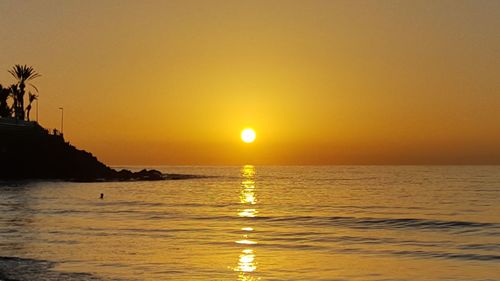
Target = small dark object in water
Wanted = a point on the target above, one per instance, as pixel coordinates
(102, 196)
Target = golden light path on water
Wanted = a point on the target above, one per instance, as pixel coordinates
(247, 264)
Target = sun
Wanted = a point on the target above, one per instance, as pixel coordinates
(248, 135)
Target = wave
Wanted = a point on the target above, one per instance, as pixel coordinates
(15, 268)
(351, 249)
(371, 222)
(437, 254)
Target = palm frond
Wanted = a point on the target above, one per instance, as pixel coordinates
(23, 73)
(34, 87)
(32, 97)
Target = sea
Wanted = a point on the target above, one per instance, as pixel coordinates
(258, 223)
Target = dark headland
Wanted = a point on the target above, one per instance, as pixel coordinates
(29, 151)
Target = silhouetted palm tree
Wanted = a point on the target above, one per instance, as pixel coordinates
(31, 98)
(22, 73)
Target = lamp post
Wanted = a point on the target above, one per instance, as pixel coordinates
(62, 119)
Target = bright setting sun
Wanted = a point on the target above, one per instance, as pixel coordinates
(248, 135)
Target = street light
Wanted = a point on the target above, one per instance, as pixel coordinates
(62, 119)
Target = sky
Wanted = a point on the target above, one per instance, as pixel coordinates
(321, 82)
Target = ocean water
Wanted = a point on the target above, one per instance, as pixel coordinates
(258, 223)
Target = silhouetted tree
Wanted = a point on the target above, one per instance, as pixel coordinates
(5, 110)
(23, 74)
(31, 98)
(16, 96)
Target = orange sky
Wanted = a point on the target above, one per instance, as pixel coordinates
(322, 82)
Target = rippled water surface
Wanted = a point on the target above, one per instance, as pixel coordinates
(258, 223)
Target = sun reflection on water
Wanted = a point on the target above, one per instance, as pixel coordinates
(247, 264)
(248, 213)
